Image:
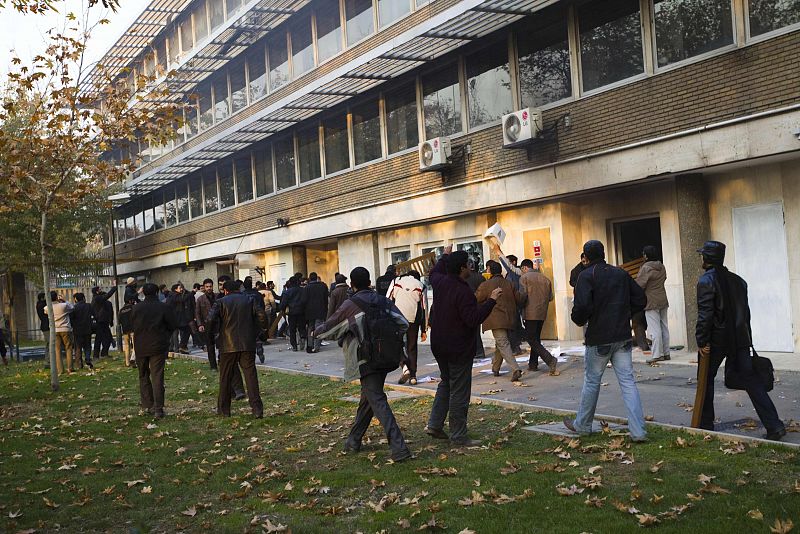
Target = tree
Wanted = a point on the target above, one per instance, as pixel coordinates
(56, 134)
(42, 6)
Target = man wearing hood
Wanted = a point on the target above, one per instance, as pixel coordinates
(651, 278)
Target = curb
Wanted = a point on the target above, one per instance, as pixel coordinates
(479, 400)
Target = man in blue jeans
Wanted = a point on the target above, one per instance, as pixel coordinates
(605, 298)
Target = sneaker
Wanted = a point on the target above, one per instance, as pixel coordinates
(436, 433)
(776, 435)
(404, 376)
(88, 363)
(533, 367)
(413, 381)
(570, 424)
(516, 375)
(402, 456)
(665, 357)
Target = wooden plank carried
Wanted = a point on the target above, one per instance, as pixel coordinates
(700, 393)
(422, 264)
(632, 267)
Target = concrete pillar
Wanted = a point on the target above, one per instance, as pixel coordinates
(299, 260)
(694, 227)
(376, 256)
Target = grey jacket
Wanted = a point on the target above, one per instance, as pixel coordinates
(651, 278)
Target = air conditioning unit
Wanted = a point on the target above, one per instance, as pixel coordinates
(521, 127)
(434, 154)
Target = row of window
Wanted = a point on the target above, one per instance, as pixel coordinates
(438, 103)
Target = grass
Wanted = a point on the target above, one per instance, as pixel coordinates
(83, 459)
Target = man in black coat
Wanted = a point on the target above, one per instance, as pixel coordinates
(153, 324)
(104, 320)
(383, 283)
(183, 303)
(316, 309)
(293, 305)
(723, 331)
(81, 319)
(44, 321)
(238, 319)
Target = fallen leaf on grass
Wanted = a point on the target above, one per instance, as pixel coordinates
(440, 471)
(404, 523)
(49, 503)
(622, 507)
(467, 531)
(180, 450)
(595, 469)
(132, 483)
(655, 499)
(646, 520)
(655, 468)
(269, 527)
(593, 500)
(681, 442)
(14, 515)
(475, 498)
(147, 489)
(191, 511)
(572, 490)
(509, 469)
(432, 524)
(109, 490)
(704, 479)
(755, 514)
(782, 527)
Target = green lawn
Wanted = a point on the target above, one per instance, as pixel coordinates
(83, 459)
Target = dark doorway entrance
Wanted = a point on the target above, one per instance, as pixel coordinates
(632, 236)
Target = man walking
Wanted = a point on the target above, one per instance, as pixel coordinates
(204, 300)
(183, 304)
(513, 275)
(293, 305)
(502, 319)
(153, 324)
(539, 290)
(347, 324)
(238, 319)
(316, 309)
(131, 298)
(81, 320)
(61, 313)
(104, 320)
(651, 278)
(605, 298)
(408, 294)
(383, 283)
(723, 332)
(339, 294)
(455, 317)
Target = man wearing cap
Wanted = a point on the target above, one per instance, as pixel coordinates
(605, 298)
(723, 331)
(103, 312)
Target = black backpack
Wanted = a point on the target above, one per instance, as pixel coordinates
(383, 346)
(125, 318)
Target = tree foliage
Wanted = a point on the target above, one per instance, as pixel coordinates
(42, 6)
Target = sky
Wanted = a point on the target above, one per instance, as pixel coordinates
(24, 35)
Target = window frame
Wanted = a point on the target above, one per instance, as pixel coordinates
(748, 38)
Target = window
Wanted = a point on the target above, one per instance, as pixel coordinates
(610, 41)
(182, 201)
(244, 178)
(391, 10)
(367, 132)
(329, 31)
(399, 256)
(119, 227)
(227, 198)
(158, 210)
(308, 154)
(161, 57)
(234, 6)
(139, 216)
(687, 28)
(217, 13)
(149, 219)
(173, 45)
(190, 126)
(401, 119)
(200, 22)
(263, 164)
(221, 98)
(130, 225)
(238, 87)
(302, 47)
(284, 163)
(360, 22)
(257, 70)
(768, 15)
(204, 103)
(195, 197)
(149, 63)
(170, 207)
(210, 191)
(278, 62)
(187, 41)
(488, 85)
(441, 102)
(337, 149)
(544, 69)
(474, 251)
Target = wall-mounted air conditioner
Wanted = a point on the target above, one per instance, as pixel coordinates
(434, 154)
(521, 127)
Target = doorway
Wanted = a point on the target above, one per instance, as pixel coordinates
(631, 236)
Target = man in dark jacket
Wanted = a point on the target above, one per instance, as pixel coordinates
(238, 319)
(340, 293)
(347, 325)
(44, 321)
(606, 297)
(316, 308)
(130, 298)
(723, 331)
(183, 304)
(474, 281)
(204, 300)
(293, 304)
(254, 295)
(81, 320)
(104, 319)
(383, 283)
(455, 317)
(153, 324)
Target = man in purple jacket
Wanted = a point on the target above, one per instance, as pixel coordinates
(454, 320)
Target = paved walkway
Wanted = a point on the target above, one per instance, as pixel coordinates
(667, 389)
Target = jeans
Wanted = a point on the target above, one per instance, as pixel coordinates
(503, 350)
(452, 396)
(595, 360)
(756, 391)
(127, 347)
(229, 363)
(151, 381)
(534, 331)
(374, 403)
(659, 331)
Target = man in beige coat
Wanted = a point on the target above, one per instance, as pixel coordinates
(502, 319)
(539, 290)
(652, 276)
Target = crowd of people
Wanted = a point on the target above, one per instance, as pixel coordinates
(378, 327)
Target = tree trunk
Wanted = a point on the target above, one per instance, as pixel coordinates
(50, 314)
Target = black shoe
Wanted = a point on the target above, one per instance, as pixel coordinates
(570, 424)
(159, 414)
(467, 442)
(402, 456)
(240, 396)
(89, 364)
(775, 435)
(259, 414)
(351, 446)
(436, 433)
(533, 366)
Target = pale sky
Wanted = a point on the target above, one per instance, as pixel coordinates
(26, 34)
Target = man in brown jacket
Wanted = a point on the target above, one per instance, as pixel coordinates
(651, 278)
(502, 318)
(539, 290)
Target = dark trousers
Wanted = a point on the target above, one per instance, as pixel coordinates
(2, 343)
(480, 353)
(297, 326)
(374, 403)
(236, 383)
(83, 344)
(229, 363)
(639, 330)
(411, 348)
(184, 332)
(516, 335)
(533, 329)
(102, 339)
(151, 380)
(211, 349)
(313, 342)
(452, 396)
(758, 394)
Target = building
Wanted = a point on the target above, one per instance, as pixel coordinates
(665, 122)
